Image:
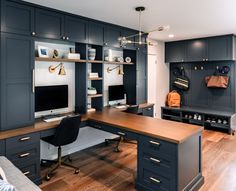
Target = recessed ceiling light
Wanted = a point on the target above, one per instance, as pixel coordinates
(171, 36)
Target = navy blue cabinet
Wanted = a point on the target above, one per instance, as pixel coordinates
(17, 18)
(197, 50)
(17, 97)
(111, 35)
(175, 51)
(76, 29)
(141, 79)
(96, 31)
(49, 24)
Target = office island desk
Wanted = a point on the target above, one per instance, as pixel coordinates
(169, 153)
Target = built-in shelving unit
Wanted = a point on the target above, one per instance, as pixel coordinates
(95, 79)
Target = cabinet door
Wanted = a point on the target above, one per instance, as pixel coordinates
(220, 48)
(141, 76)
(197, 50)
(76, 29)
(127, 33)
(49, 24)
(17, 97)
(111, 35)
(96, 33)
(17, 18)
(175, 51)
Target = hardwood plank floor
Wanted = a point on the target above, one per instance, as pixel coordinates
(104, 170)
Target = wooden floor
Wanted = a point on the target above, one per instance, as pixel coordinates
(104, 170)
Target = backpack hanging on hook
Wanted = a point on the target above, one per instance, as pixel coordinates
(181, 81)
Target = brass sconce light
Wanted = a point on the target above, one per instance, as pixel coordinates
(120, 71)
(62, 71)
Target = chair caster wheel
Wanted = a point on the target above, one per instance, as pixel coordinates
(117, 150)
(77, 171)
(47, 177)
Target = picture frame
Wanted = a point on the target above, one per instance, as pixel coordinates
(43, 51)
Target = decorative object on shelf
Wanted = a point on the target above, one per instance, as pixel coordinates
(55, 54)
(126, 39)
(93, 75)
(62, 71)
(225, 122)
(73, 56)
(108, 55)
(128, 59)
(120, 71)
(92, 91)
(119, 59)
(43, 51)
(91, 53)
(72, 50)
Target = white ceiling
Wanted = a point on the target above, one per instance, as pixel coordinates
(187, 18)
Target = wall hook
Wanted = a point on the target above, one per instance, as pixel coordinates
(202, 68)
(195, 67)
(217, 67)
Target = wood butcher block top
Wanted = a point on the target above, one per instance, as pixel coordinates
(166, 130)
(174, 132)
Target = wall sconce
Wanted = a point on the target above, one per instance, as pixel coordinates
(120, 71)
(62, 71)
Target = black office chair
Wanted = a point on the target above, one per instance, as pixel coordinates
(131, 109)
(66, 133)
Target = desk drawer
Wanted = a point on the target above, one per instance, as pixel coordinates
(31, 169)
(22, 141)
(156, 146)
(148, 111)
(158, 163)
(155, 181)
(22, 155)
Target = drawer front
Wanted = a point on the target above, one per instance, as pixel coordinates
(155, 181)
(22, 155)
(95, 124)
(22, 141)
(156, 146)
(2, 147)
(31, 169)
(148, 111)
(158, 163)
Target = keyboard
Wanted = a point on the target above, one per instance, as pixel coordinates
(54, 119)
(121, 106)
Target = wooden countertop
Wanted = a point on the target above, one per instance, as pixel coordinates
(166, 130)
(174, 132)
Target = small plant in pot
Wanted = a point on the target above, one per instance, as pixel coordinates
(92, 91)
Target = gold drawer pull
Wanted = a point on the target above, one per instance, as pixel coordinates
(154, 143)
(155, 180)
(26, 173)
(25, 138)
(155, 160)
(24, 155)
(120, 133)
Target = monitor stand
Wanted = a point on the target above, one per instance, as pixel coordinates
(51, 116)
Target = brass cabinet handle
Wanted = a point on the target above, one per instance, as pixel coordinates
(67, 38)
(26, 173)
(33, 33)
(155, 160)
(154, 143)
(120, 133)
(25, 138)
(33, 80)
(155, 180)
(63, 38)
(24, 155)
(149, 109)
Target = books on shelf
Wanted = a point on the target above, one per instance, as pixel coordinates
(93, 75)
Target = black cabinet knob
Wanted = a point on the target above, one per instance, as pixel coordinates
(63, 38)
(67, 38)
(33, 33)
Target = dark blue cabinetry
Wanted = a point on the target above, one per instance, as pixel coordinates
(76, 29)
(175, 51)
(96, 31)
(196, 50)
(17, 18)
(49, 24)
(17, 96)
(111, 35)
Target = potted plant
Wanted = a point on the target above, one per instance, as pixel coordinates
(92, 91)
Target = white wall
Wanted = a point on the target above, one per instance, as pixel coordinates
(161, 86)
(88, 136)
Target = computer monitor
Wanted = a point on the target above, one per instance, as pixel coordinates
(116, 92)
(51, 97)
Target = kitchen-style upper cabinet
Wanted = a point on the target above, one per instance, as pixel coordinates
(96, 31)
(196, 50)
(111, 35)
(76, 29)
(221, 48)
(175, 51)
(17, 18)
(49, 24)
